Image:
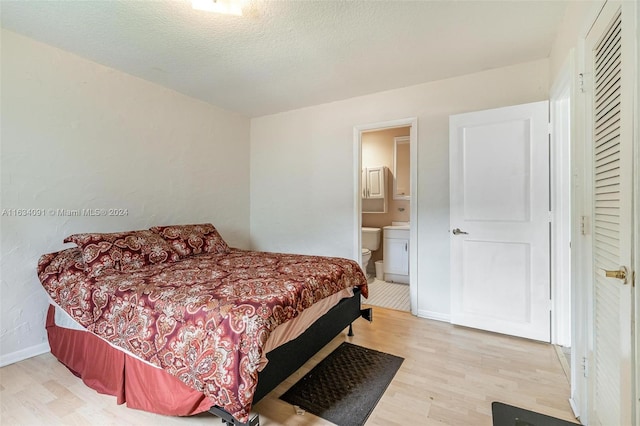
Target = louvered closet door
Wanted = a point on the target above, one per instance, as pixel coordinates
(610, 144)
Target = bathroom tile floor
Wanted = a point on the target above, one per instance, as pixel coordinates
(388, 295)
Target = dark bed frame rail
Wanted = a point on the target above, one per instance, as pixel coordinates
(286, 359)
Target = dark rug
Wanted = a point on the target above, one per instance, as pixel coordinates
(508, 415)
(345, 387)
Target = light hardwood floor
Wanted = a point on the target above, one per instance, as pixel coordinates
(450, 376)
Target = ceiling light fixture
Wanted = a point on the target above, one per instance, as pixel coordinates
(228, 7)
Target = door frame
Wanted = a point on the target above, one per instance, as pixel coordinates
(636, 207)
(560, 105)
(412, 123)
(636, 194)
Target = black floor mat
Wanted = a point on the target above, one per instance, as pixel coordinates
(508, 415)
(345, 387)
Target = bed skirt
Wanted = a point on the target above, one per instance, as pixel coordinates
(110, 371)
(143, 386)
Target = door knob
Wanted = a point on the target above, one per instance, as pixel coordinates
(620, 274)
(457, 231)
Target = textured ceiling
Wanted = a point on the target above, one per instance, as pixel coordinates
(283, 55)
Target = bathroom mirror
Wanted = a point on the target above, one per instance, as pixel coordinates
(401, 168)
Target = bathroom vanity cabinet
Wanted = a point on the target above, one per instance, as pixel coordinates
(396, 254)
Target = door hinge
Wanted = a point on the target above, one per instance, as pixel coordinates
(585, 365)
(584, 225)
(581, 82)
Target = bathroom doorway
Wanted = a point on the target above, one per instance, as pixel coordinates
(386, 205)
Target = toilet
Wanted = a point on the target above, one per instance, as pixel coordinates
(370, 242)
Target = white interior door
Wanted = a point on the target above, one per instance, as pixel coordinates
(499, 189)
(609, 73)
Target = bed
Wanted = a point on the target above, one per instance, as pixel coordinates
(172, 320)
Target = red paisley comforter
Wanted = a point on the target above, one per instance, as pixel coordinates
(203, 319)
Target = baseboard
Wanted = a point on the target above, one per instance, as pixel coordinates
(563, 362)
(23, 354)
(438, 316)
(574, 408)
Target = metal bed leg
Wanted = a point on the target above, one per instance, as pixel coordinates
(364, 313)
(227, 419)
(367, 314)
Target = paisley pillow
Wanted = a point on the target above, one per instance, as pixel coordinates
(187, 240)
(122, 251)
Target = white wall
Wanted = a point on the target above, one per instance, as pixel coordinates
(76, 135)
(302, 168)
(575, 24)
